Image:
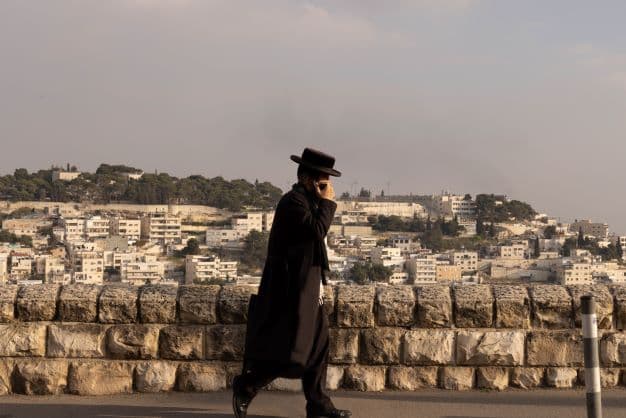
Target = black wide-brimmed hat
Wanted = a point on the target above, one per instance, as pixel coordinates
(318, 161)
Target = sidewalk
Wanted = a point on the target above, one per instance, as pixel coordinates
(431, 403)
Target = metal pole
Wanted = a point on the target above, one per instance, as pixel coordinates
(592, 362)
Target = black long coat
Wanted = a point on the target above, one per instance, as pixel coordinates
(283, 317)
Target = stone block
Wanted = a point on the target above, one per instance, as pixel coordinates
(181, 342)
(232, 369)
(201, 377)
(493, 378)
(512, 306)
(100, 378)
(40, 377)
(395, 306)
(133, 341)
(8, 298)
(22, 340)
(344, 345)
(551, 307)
(365, 378)
(457, 378)
(157, 304)
(561, 377)
(198, 304)
(609, 378)
(6, 370)
(428, 347)
(225, 342)
(355, 306)
(380, 345)
(604, 304)
(527, 377)
(334, 377)
(285, 385)
(37, 303)
(233, 304)
(554, 348)
(76, 340)
(619, 297)
(79, 303)
(613, 349)
(412, 378)
(434, 306)
(490, 348)
(118, 304)
(473, 306)
(329, 304)
(155, 376)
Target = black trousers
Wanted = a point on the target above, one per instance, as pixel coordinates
(256, 375)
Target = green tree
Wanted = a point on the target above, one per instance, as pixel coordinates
(549, 232)
(192, 248)
(365, 273)
(255, 250)
(537, 248)
(619, 251)
(581, 238)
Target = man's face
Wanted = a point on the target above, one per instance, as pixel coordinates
(321, 178)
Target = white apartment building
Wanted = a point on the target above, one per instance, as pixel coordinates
(202, 268)
(455, 205)
(570, 272)
(52, 269)
(161, 228)
(352, 217)
(96, 227)
(403, 242)
(387, 256)
(422, 269)
(73, 229)
(268, 220)
(4, 267)
(249, 221)
(142, 272)
(595, 229)
(222, 237)
(127, 228)
(88, 267)
(26, 226)
(401, 209)
(62, 175)
(512, 252)
(20, 266)
(467, 260)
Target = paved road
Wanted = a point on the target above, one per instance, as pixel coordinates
(432, 403)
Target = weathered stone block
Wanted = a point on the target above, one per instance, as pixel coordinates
(604, 304)
(201, 377)
(613, 349)
(512, 306)
(365, 378)
(619, 296)
(551, 307)
(355, 306)
(6, 370)
(344, 345)
(490, 348)
(37, 303)
(233, 304)
(181, 342)
(412, 378)
(527, 377)
(8, 298)
(494, 378)
(285, 385)
(133, 341)
(334, 377)
(428, 347)
(225, 342)
(78, 303)
(157, 304)
(554, 348)
(232, 369)
(100, 378)
(561, 377)
(118, 304)
(22, 340)
(434, 306)
(609, 378)
(457, 378)
(198, 304)
(395, 306)
(155, 376)
(473, 306)
(40, 377)
(381, 345)
(76, 340)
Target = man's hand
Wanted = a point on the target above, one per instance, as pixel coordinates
(324, 189)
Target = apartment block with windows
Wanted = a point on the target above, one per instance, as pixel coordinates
(96, 227)
(161, 228)
(203, 268)
(127, 228)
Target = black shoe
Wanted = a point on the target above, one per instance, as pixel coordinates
(333, 413)
(240, 401)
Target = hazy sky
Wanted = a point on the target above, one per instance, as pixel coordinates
(526, 98)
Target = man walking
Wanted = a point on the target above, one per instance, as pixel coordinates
(287, 332)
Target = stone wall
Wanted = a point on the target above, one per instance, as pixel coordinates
(111, 339)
